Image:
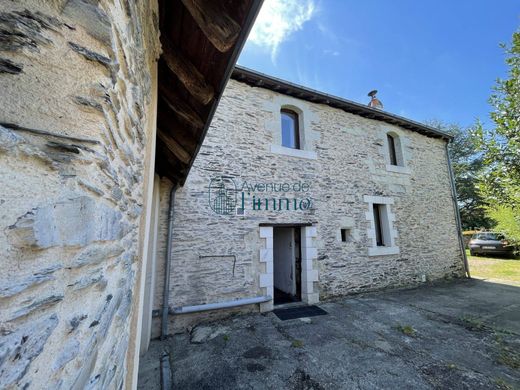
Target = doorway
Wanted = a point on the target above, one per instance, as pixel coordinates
(287, 264)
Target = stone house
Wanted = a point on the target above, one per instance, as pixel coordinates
(296, 195)
(97, 98)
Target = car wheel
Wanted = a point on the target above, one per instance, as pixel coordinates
(472, 253)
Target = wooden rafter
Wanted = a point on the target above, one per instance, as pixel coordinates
(188, 74)
(221, 30)
(174, 147)
(182, 109)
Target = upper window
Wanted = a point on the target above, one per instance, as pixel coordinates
(391, 149)
(290, 129)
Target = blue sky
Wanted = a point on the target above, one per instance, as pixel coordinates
(428, 59)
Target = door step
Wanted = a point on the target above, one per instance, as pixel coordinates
(293, 313)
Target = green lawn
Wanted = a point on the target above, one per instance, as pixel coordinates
(500, 270)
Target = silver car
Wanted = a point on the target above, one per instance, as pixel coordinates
(489, 242)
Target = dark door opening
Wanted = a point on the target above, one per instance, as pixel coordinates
(287, 268)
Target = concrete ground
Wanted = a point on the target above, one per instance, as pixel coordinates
(463, 335)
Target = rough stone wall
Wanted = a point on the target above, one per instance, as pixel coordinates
(76, 122)
(216, 257)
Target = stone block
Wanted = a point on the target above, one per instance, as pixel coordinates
(69, 351)
(309, 253)
(71, 222)
(311, 231)
(13, 287)
(266, 280)
(266, 255)
(310, 276)
(34, 305)
(20, 348)
(266, 231)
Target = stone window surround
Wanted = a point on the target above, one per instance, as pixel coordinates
(375, 250)
(309, 273)
(401, 143)
(304, 126)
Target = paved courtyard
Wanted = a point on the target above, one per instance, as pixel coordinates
(462, 335)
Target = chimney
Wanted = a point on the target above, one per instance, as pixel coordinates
(374, 102)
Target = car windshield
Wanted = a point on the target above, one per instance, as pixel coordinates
(488, 236)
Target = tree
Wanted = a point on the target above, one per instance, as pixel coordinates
(467, 164)
(500, 182)
(501, 144)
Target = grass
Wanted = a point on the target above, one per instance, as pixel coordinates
(473, 323)
(502, 384)
(297, 344)
(501, 270)
(406, 329)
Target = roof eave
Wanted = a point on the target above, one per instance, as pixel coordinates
(262, 80)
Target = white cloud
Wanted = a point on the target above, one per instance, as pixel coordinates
(277, 20)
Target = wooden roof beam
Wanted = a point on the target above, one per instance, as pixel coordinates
(188, 74)
(221, 30)
(174, 147)
(182, 109)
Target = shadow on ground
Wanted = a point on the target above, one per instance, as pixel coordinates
(464, 335)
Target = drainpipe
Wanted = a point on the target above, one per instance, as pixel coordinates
(167, 267)
(457, 212)
(220, 305)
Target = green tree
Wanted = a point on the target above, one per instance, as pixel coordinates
(500, 181)
(467, 164)
(501, 144)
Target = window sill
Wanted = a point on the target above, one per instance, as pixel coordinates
(383, 250)
(309, 154)
(398, 169)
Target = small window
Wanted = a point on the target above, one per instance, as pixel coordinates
(391, 149)
(345, 233)
(290, 129)
(378, 225)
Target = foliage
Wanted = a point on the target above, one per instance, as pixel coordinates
(507, 221)
(467, 164)
(501, 145)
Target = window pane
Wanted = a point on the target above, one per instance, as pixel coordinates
(391, 149)
(290, 134)
(377, 225)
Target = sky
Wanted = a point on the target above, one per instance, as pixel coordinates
(429, 60)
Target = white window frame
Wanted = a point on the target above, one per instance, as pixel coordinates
(400, 142)
(387, 225)
(308, 137)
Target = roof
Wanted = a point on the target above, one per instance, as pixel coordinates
(201, 41)
(262, 80)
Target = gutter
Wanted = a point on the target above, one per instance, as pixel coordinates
(167, 264)
(457, 212)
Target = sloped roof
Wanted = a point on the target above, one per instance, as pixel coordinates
(262, 80)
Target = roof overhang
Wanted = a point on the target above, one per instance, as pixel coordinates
(201, 42)
(261, 80)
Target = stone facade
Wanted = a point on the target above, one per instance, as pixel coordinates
(77, 130)
(345, 165)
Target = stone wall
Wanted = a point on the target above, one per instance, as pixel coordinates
(217, 257)
(76, 128)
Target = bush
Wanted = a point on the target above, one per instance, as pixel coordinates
(507, 221)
